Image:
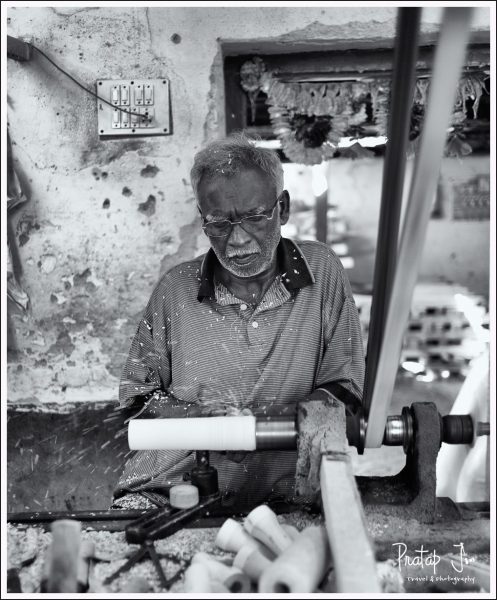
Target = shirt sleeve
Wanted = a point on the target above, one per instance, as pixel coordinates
(343, 356)
(148, 366)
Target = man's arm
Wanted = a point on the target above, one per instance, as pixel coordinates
(147, 369)
(146, 377)
(340, 373)
(342, 366)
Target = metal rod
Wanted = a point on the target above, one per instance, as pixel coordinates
(278, 433)
(281, 433)
(79, 515)
(448, 63)
(406, 51)
(394, 431)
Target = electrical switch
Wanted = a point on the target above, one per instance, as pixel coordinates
(139, 95)
(149, 94)
(115, 94)
(124, 95)
(125, 119)
(135, 118)
(133, 107)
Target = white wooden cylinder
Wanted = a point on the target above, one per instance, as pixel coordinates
(197, 579)
(202, 433)
(86, 553)
(218, 588)
(301, 567)
(183, 495)
(252, 562)
(233, 578)
(263, 524)
(232, 536)
(65, 548)
(292, 531)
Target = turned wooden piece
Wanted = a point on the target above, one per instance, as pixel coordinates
(233, 578)
(263, 524)
(300, 567)
(197, 579)
(252, 562)
(63, 559)
(232, 536)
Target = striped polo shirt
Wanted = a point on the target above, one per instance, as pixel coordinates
(199, 345)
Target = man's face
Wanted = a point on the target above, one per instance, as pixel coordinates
(249, 249)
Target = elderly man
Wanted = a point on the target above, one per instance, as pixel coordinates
(257, 324)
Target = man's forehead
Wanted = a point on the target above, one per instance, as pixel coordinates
(247, 188)
(248, 177)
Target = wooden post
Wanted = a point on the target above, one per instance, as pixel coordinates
(352, 554)
(322, 217)
(449, 59)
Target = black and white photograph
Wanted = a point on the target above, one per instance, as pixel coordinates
(248, 299)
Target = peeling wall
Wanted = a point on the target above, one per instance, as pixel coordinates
(105, 218)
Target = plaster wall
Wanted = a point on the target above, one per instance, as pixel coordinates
(105, 218)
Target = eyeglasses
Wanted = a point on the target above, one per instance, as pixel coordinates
(250, 222)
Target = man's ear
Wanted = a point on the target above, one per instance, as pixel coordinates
(284, 206)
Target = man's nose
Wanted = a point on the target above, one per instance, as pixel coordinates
(238, 236)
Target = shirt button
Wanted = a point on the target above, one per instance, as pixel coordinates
(255, 324)
(243, 307)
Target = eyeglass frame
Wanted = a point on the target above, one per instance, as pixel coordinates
(240, 222)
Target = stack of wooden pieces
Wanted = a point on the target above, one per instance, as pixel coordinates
(269, 556)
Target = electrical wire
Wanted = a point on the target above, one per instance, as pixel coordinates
(143, 117)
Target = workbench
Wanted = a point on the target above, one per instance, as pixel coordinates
(27, 543)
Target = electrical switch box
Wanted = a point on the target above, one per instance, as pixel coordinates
(133, 107)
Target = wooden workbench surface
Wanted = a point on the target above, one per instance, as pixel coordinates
(27, 541)
(27, 544)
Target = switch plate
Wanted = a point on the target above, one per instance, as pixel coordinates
(146, 100)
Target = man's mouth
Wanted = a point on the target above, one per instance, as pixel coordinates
(243, 259)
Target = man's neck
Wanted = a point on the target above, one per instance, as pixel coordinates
(249, 289)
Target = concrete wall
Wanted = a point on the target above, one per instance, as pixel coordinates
(89, 270)
(454, 251)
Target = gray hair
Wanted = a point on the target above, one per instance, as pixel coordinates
(229, 156)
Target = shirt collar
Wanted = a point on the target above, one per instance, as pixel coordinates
(294, 268)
